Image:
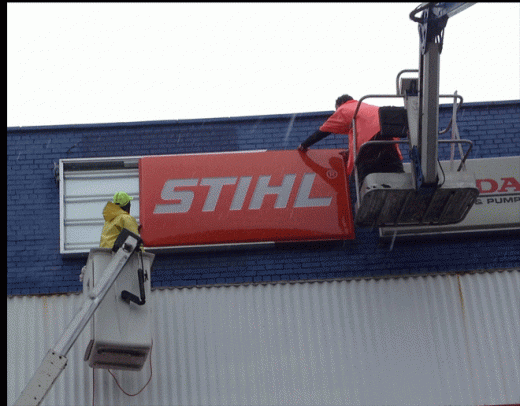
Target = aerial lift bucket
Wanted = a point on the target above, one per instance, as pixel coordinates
(391, 200)
(395, 200)
(121, 334)
(421, 197)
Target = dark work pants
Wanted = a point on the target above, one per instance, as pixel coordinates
(378, 159)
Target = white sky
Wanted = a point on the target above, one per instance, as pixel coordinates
(77, 63)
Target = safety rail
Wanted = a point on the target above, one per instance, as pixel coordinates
(399, 76)
(463, 160)
(402, 141)
(354, 134)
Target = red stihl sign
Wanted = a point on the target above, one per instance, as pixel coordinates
(244, 197)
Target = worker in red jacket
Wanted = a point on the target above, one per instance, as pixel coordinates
(373, 158)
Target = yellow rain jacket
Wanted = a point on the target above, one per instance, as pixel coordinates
(115, 220)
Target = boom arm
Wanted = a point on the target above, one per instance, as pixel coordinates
(56, 359)
(425, 107)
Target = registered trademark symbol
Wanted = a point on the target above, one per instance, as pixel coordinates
(332, 174)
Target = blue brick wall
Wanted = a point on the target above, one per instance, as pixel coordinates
(35, 266)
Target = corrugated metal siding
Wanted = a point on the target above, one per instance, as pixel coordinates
(451, 339)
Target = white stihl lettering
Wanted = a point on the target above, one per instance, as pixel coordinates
(303, 199)
(183, 199)
(169, 193)
(240, 193)
(262, 188)
(215, 187)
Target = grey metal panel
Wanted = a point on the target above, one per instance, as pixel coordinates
(451, 339)
(84, 194)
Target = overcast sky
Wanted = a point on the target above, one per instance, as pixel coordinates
(76, 63)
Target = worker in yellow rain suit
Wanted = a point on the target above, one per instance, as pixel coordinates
(117, 216)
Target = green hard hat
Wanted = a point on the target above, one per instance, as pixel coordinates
(122, 199)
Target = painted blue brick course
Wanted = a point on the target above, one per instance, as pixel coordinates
(34, 265)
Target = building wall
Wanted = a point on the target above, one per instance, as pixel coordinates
(426, 340)
(35, 266)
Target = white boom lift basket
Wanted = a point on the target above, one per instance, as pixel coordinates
(121, 335)
(400, 199)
